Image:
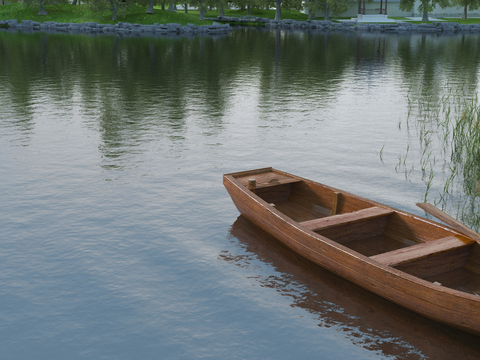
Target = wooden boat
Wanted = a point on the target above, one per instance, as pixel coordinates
(417, 263)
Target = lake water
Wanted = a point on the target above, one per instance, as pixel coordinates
(118, 240)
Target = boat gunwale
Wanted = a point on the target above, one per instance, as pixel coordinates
(440, 289)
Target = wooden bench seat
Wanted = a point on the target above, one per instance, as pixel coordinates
(347, 218)
(423, 250)
(267, 179)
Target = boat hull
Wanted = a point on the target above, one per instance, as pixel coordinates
(442, 304)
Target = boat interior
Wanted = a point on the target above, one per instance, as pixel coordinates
(399, 240)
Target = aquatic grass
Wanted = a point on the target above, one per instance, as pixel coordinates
(429, 183)
(448, 129)
(381, 152)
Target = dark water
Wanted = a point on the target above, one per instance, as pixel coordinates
(118, 240)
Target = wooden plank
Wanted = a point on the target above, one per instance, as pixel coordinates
(273, 194)
(460, 279)
(296, 211)
(473, 262)
(436, 263)
(309, 193)
(408, 227)
(375, 245)
(447, 219)
(267, 179)
(414, 252)
(336, 195)
(354, 231)
(346, 218)
(249, 172)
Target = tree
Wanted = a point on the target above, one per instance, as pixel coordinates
(278, 9)
(471, 4)
(336, 7)
(425, 6)
(117, 7)
(150, 7)
(201, 5)
(221, 5)
(149, 4)
(286, 5)
(243, 4)
(41, 3)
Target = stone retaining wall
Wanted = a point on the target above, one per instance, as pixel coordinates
(119, 28)
(219, 29)
(434, 27)
(322, 25)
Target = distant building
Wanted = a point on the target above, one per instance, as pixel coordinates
(372, 8)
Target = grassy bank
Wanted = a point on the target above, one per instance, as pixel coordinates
(81, 13)
(286, 14)
(136, 15)
(64, 13)
(454, 20)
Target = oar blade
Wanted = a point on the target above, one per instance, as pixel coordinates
(447, 219)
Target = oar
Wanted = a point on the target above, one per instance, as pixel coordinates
(447, 219)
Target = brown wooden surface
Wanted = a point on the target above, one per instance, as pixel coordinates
(414, 252)
(406, 227)
(266, 179)
(309, 193)
(436, 264)
(443, 304)
(273, 194)
(346, 218)
(355, 231)
(447, 219)
(375, 245)
(460, 279)
(473, 262)
(336, 196)
(297, 212)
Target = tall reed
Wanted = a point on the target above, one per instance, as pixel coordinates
(448, 162)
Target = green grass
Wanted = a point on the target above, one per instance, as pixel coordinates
(63, 13)
(461, 21)
(81, 13)
(136, 15)
(455, 20)
(286, 14)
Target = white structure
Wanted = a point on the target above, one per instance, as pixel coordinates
(391, 7)
(380, 18)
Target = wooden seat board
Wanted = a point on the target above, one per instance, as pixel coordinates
(266, 179)
(347, 218)
(414, 252)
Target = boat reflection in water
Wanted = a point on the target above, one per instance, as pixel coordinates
(368, 320)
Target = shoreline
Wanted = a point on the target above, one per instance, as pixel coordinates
(221, 26)
(120, 28)
(326, 25)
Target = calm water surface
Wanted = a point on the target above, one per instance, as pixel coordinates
(118, 240)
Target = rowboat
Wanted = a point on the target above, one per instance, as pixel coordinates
(422, 265)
